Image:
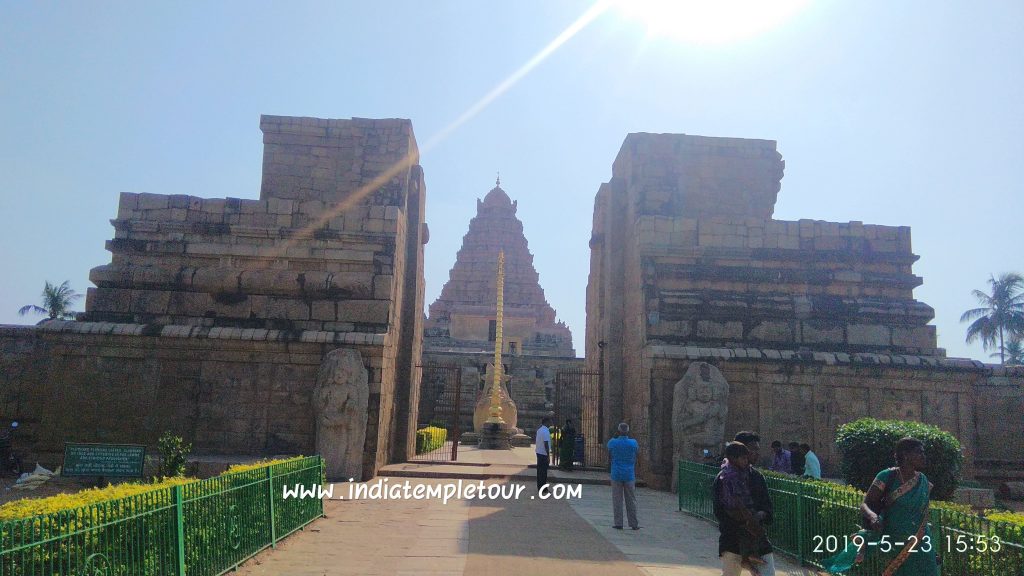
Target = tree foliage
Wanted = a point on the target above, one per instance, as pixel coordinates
(173, 455)
(57, 301)
(1014, 352)
(1001, 314)
(868, 445)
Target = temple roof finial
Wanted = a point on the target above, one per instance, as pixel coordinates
(497, 181)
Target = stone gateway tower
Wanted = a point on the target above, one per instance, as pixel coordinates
(806, 324)
(215, 315)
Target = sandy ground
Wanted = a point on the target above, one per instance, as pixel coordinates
(56, 485)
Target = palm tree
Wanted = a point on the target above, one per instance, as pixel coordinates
(1001, 314)
(1014, 352)
(57, 302)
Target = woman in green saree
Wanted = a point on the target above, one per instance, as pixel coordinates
(895, 510)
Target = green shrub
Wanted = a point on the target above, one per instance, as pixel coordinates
(867, 447)
(173, 455)
(430, 438)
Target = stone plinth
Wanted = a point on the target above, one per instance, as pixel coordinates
(520, 440)
(495, 437)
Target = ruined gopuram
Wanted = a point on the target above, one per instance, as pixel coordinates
(215, 315)
(791, 328)
(461, 327)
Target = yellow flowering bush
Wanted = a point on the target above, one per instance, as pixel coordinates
(430, 438)
(29, 507)
(1005, 516)
(259, 464)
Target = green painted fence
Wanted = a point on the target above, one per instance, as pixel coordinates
(202, 528)
(813, 521)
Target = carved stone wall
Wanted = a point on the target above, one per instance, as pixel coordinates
(789, 396)
(227, 395)
(531, 386)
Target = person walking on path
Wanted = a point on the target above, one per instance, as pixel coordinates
(812, 466)
(761, 508)
(623, 450)
(743, 544)
(543, 448)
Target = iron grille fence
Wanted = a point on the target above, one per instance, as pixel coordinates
(442, 406)
(810, 516)
(573, 388)
(203, 528)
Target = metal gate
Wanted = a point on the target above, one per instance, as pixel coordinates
(439, 409)
(575, 391)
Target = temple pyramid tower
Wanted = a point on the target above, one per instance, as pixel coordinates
(462, 319)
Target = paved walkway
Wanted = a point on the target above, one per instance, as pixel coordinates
(498, 537)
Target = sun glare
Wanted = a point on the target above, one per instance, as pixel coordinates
(710, 21)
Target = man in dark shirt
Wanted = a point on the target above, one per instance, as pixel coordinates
(796, 459)
(742, 543)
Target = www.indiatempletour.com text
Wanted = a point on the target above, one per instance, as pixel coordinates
(384, 489)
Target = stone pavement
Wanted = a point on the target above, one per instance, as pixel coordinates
(519, 463)
(498, 537)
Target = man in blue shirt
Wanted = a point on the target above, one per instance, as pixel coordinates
(623, 451)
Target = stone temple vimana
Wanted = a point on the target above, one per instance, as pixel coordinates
(296, 322)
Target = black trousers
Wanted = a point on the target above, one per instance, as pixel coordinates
(542, 470)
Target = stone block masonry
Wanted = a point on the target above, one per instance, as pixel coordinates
(812, 323)
(241, 299)
(228, 391)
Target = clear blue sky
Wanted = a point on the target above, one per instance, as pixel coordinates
(898, 113)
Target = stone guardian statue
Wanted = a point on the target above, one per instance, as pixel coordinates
(340, 401)
(700, 403)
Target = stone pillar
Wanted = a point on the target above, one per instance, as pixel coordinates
(340, 402)
(410, 340)
(700, 404)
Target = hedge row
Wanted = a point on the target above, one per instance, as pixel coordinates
(28, 507)
(430, 438)
(867, 447)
